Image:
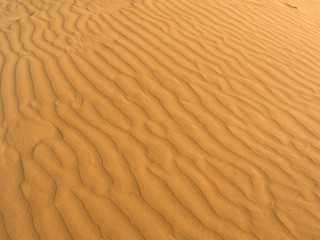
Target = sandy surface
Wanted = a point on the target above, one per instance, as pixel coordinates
(159, 119)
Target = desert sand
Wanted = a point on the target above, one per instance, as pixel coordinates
(159, 119)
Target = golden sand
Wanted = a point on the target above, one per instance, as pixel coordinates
(159, 119)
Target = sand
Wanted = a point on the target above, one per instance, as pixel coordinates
(159, 119)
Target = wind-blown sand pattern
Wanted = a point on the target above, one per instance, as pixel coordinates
(159, 119)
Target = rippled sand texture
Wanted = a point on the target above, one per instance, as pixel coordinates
(159, 120)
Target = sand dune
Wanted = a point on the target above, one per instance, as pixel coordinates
(159, 119)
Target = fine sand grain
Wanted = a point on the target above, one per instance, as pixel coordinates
(159, 119)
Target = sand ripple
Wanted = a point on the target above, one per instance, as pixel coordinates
(159, 119)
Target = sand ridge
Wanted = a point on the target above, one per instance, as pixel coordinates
(159, 119)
